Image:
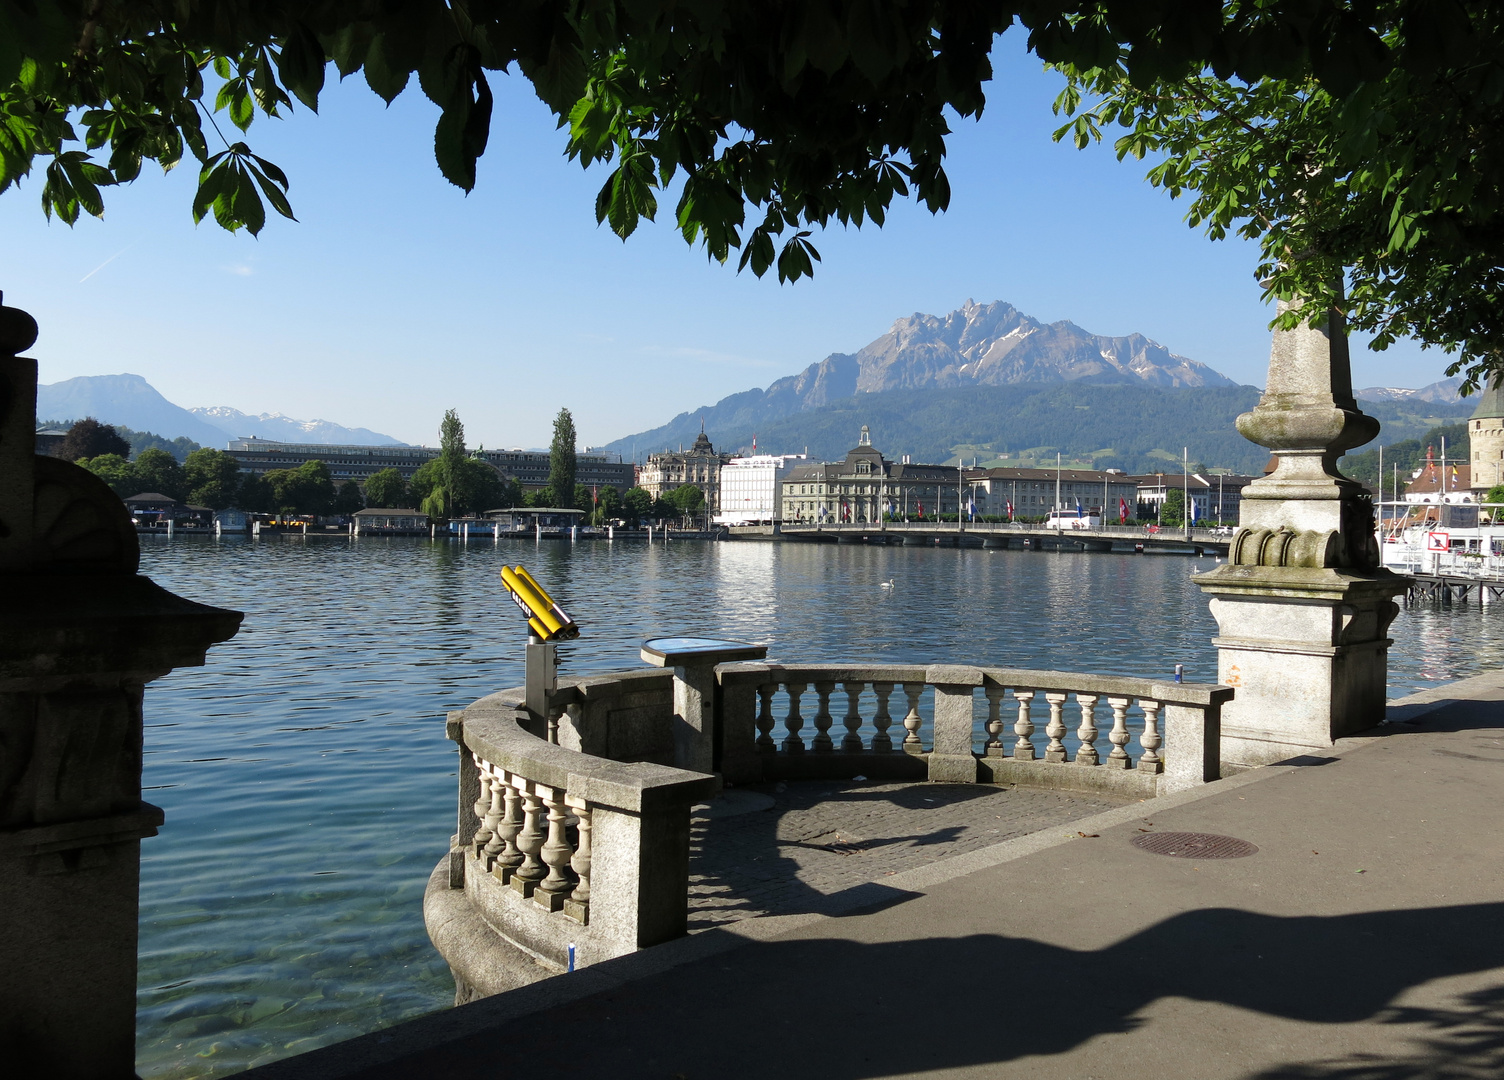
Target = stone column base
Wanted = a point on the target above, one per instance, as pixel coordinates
(1307, 651)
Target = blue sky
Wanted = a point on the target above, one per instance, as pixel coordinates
(397, 296)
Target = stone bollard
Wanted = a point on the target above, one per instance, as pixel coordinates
(81, 633)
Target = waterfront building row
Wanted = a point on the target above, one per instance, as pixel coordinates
(865, 485)
(347, 462)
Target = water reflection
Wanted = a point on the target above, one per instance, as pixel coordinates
(309, 789)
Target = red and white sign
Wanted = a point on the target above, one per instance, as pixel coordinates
(1438, 541)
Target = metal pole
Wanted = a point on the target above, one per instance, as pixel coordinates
(1057, 484)
(959, 474)
(1185, 489)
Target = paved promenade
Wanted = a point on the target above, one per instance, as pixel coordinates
(790, 849)
(1363, 941)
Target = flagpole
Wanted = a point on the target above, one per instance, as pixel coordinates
(1185, 488)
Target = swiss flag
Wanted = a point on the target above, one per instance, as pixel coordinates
(1122, 512)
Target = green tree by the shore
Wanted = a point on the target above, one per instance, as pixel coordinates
(157, 470)
(90, 439)
(1173, 511)
(115, 471)
(308, 489)
(349, 500)
(387, 489)
(212, 477)
(561, 460)
(636, 504)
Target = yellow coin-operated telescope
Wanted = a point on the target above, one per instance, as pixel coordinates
(547, 626)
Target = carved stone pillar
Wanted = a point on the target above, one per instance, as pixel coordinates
(1302, 605)
(80, 635)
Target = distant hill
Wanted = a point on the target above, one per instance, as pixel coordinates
(1444, 392)
(124, 399)
(977, 345)
(131, 401)
(1138, 429)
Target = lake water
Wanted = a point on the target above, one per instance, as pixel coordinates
(309, 789)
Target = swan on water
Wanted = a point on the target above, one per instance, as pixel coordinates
(889, 584)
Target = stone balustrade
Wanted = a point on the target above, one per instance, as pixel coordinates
(573, 836)
(558, 850)
(1046, 728)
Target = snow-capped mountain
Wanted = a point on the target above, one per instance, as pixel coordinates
(131, 401)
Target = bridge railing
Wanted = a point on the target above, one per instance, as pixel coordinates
(1049, 728)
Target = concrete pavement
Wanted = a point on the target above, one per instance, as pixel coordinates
(1363, 941)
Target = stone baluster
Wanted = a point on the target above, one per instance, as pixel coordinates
(1150, 739)
(995, 747)
(556, 853)
(1023, 746)
(765, 721)
(482, 805)
(495, 842)
(551, 729)
(1055, 728)
(1086, 753)
(911, 720)
(511, 824)
(1118, 759)
(823, 719)
(577, 907)
(852, 741)
(529, 840)
(792, 743)
(881, 718)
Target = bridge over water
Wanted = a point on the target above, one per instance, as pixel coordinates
(1015, 535)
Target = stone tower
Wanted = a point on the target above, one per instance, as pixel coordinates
(1486, 431)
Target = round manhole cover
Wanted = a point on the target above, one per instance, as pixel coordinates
(1194, 845)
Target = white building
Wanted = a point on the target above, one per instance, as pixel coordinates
(751, 488)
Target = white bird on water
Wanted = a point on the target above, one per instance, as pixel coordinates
(889, 584)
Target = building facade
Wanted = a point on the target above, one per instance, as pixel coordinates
(1035, 492)
(1210, 498)
(865, 485)
(751, 488)
(700, 465)
(528, 467)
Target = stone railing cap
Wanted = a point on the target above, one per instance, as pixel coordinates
(493, 728)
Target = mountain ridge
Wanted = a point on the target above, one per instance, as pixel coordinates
(975, 345)
(133, 402)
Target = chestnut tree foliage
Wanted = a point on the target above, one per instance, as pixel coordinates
(1376, 190)
(772, 118)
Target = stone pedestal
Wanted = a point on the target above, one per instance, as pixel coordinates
(1306, 650)
(696, 742)
(80, 635)
(1302, 604)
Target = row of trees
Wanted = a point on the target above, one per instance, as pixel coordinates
(213, 478)
(454, 484)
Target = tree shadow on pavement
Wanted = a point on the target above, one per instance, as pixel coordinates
(840, 1009)
(1463, 1043)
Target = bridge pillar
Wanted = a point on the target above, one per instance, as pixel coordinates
(1302, 605)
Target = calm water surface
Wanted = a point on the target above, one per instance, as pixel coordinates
(309, 789)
